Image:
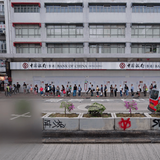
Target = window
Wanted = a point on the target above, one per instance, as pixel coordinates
(65, 31)
(1, 9)
(145, 48)
(107, 8)
(26, 8)
(146, 8)
(107, 31)
(28, 48)
(107, 48)
(146, 31)
(3, 47)
(27, 31)
(64, 8)
(65, 48)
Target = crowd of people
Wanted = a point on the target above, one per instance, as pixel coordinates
(52, 90)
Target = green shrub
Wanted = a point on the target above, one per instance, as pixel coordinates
(158, 108)
(96, 109)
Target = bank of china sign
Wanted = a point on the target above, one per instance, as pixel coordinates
(84, 65)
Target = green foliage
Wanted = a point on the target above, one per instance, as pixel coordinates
(96, 109)
(158, 108)
(67, 105)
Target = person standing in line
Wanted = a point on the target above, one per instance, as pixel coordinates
(144, 90)
(79, 90)
(67, 90)
(97, 91)
(37, 88)
(14, 89)
(89, 88)
(111, 91)
(115, 90)
(155, 86)
(57, 91)
(120, 90)
(53, 90)
(139, 90)
(18, 87)
(24, 87)
(41, 91)
(70, 89)
(132, 90)
(92, 89)
(101, 90)
(28, 88)
(62, 90)
(35, 92)
(105, 90)
(31, 89)
(150, 88)
(8, 90)
(74, 90)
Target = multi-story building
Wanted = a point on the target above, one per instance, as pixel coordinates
(2, 45)
(72, 42)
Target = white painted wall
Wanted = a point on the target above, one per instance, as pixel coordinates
(79, 77)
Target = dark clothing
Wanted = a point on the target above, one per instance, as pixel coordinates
(111, 91)
(75, 88)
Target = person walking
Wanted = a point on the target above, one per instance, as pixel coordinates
(67, 90)
(62, 91)
(111, 91)
(115, 90)
(35, 90)
(120, 90)
(74, 90)
(126, 89)
(144, 90)
(132, 90)
(105, 90)
(97, 91)
(101, 91)
(14, 89)
(79, 90)
(18, 87)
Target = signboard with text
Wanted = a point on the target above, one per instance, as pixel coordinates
(85, 65)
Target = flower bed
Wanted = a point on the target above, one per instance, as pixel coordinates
(63, 115)
(104, 115)
(130, 115)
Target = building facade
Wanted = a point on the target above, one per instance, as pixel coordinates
(72, 42)
(2, 45)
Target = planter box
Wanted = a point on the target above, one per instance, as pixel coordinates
(97, 123)
(155, 122)
(132, 123)
(60, 123)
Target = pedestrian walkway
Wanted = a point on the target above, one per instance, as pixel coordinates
(72, 99)
(80, 152)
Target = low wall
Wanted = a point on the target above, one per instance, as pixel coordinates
(101, 124)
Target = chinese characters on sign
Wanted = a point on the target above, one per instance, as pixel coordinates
(85, 65)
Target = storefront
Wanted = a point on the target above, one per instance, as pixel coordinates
(106, 73)
(2, 74)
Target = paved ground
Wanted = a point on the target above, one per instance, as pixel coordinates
(112, 105)
(80, 152)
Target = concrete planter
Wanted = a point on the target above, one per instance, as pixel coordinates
(154, 123)
(60, 123)
(96, 123)
(132, 123)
